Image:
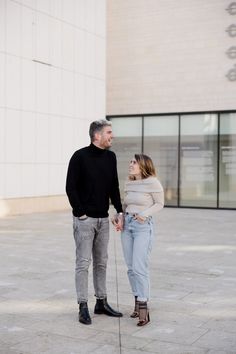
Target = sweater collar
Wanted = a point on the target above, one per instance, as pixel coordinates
(96, 150)
(146, 185)
(143, 181)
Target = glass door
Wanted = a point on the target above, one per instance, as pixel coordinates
(198, 160)
(127, 142)
(161, 144)
(227, 162)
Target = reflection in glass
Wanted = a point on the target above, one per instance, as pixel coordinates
(227, 176)
(127, 142)
(161, 144)
(198, 160)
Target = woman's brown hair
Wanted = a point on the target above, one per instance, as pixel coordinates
(146, 166)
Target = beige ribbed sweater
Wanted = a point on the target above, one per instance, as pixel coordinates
(144, 197)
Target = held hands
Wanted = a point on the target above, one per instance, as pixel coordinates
(118, 221)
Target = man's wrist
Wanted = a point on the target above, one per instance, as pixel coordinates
(119, 216)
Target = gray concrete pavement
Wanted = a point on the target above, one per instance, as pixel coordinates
(193, 278)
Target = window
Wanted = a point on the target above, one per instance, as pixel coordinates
(161, 144)
(198, 160)
(227, 161)
(127, 142)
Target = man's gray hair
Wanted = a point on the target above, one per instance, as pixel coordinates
(97, 126)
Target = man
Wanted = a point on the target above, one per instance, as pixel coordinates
(91, 181)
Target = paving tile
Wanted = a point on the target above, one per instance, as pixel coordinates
(160, 317)
(54, 344)
(104, 337)
(5, 349)
(13, 333)
(172, 333)
(168, 348)
(219, 324)
(218, 340)
(107, 349)
(69, 327)
(134, 342)
(135, 351)
(221, 351)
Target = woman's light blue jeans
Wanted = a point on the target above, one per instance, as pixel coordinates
(137, 241)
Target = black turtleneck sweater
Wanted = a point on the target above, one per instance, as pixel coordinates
(91, 180)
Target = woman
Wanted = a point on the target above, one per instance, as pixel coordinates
(143, 198)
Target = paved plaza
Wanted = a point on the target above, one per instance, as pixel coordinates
(193, 287)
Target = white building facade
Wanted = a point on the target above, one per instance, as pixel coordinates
(52, 70)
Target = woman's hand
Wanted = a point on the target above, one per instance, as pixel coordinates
(140, 219)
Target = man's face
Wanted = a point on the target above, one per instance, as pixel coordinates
(105, 137)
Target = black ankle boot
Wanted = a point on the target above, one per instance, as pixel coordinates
(84, 316)
(102, 307)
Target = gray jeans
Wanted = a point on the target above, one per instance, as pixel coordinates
(91, 239)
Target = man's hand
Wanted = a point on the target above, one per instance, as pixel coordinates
(118, 221)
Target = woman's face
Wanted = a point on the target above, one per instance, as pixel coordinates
(134, 168)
